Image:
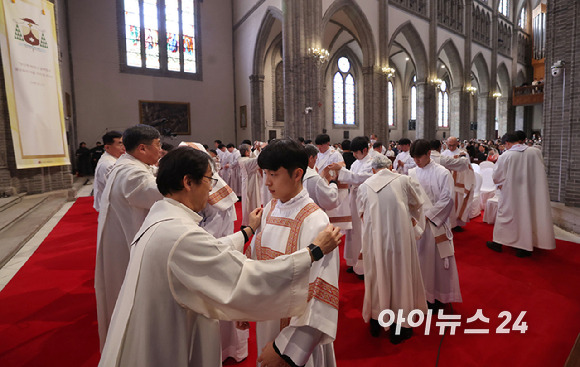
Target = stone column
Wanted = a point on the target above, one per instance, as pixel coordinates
(426, 118)
(502, 116)
(485, 116)
(257, 108)
(459, 113)
(520, 118)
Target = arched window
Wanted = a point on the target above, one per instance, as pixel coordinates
(344, 90)
(160, 37)
(503, 7)
(390, 104)
(443, 106)
(414, 99)
(522, 21)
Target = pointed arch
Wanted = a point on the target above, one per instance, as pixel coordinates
(272, 15)
(482, 72)
(416, 51)
(455, 67)
(360, 22)
(503, 79)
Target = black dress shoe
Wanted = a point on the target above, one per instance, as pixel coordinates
(523, 253)
(404, 334)
(350, 269)
(458, 229)
(494, 246)
(375, 328)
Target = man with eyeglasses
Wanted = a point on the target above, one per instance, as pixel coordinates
(129, 193)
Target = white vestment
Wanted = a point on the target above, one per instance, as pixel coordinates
(251, 187)
(104, 165)
(129, 193)
(340, 216)
(224, 172)
(390, 205)
(360, 170)
(324, 194)
(181, 280)
(235, 181)
(464, 185)
(524, 215)
(435, 247)
(408, 161)
(306, 338)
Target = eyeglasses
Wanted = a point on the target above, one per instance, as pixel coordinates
(213, 181)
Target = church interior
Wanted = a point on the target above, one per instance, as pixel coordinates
(201, 70)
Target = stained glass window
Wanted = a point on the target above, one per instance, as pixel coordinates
(390, 104)
(160, 36)
(522, 21)
(503, 7)
(443, 106)
(414, 99)
(344, 87)
(133, 33)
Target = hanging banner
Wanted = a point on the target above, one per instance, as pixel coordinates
(29, 48)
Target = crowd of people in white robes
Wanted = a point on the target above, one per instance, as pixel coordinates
(397, 206)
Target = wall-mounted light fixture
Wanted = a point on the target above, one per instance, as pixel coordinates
(319, 55)
(497, 95)
(388, 72)
(471, 89)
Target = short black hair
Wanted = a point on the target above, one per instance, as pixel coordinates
(404, 141)
(378, 144)
(322, 139)
(230, 145)
(345, 144)
(435, 145)
(181, 162)
(419, 148)
(217, 141)
(139, 134)
(247, 141)
(167, 147)
(110, 136)
(285, 153)
(220, 146)
(301, 139)
(509, 138)
(521, 135)
(307, 141)
(359, 143)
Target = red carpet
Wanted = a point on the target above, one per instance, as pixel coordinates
(47, 312)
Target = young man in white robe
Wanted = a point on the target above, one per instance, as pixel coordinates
(129, 194)
(435, 247)
(289, 223)
(359, 171)
(390, 206)
(235, 181)
(323, 192)
(114, 148)
(181, 280)
(464, 183)
(403, 161)
(251, 182)
(524, 218)
(340, 216)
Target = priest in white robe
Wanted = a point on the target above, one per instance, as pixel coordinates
(321, 191)
(289, 223)
(403, 161)
(168, 307)
(359, 171)
(251, 182)
(524, 218)
(114, 148)
(390, 206)
(129, 194)
(435, 247)
(463, 180)
(340, 216)
(235, 180)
